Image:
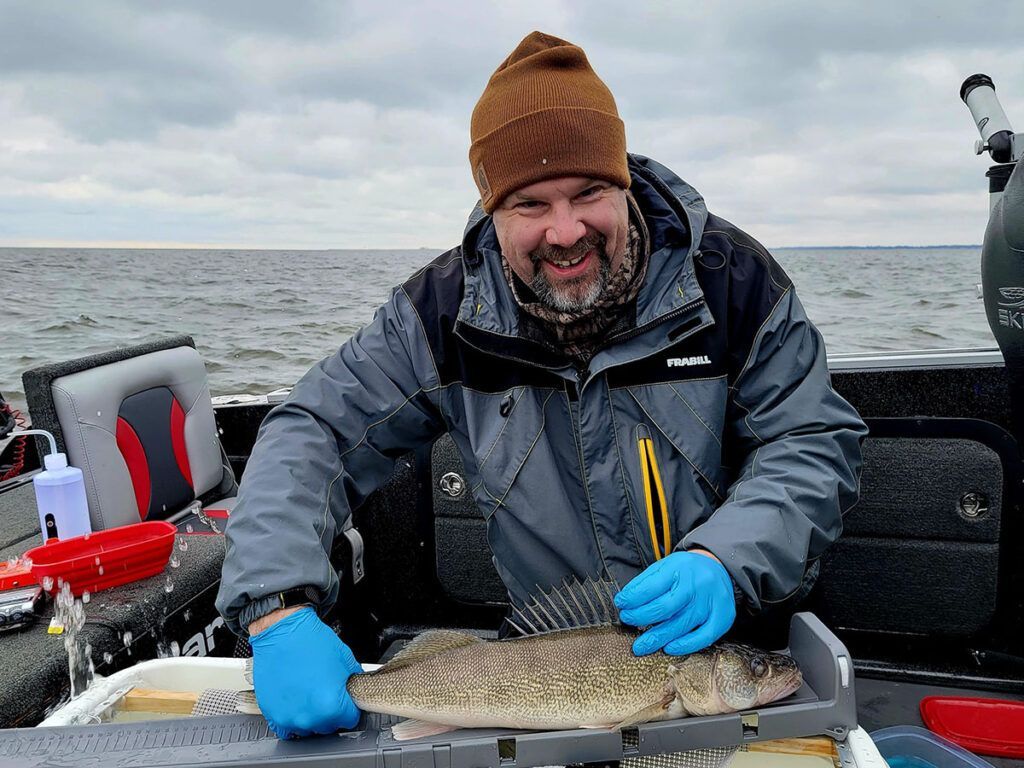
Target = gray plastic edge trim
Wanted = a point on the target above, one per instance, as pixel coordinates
(925, 358)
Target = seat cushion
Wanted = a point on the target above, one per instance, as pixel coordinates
(142, 431)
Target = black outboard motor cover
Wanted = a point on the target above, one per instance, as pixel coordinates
(1002, 275)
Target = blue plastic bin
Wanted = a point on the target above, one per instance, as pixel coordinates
(907, 746)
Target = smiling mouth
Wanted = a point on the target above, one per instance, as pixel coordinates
(570, 262)
(570, 267)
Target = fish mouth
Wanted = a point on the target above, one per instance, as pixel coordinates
(794, 685)
(789, 682)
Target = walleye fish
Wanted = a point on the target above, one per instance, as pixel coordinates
(563, 675)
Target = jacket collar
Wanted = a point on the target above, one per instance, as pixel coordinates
(675, 214)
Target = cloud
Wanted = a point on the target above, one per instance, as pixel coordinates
(327, 124)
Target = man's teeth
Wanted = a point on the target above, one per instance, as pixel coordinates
(570, 263)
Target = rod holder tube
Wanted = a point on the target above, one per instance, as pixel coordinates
(979, 94)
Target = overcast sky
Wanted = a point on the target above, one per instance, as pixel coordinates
(346, 124)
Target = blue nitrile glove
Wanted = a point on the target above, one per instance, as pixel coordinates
(300, 668)
(685, 599)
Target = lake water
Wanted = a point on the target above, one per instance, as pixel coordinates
(260, 319)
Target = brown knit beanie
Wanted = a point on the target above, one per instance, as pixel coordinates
(544, 114)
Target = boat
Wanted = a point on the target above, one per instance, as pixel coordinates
(924, 591)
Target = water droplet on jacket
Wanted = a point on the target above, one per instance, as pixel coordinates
(169, 586)
(48, 583)
(175, 648)
(86, 597)
(127, 638)
(189, 528)
(183, 545)
(101, 570)
(107, 658)
(174, 561)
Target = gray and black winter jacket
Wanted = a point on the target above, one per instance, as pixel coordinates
(719, 394)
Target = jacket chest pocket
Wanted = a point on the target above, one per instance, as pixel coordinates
(687, 418)
(502, 429)
(671, 454)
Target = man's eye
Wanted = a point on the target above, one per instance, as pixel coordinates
(528, 204)
(590, 191)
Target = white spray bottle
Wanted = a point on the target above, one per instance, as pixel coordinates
(60, 494)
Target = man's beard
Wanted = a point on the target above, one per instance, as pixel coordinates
(567, 296)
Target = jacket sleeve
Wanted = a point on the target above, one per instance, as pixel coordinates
(319, 454)
(797, 445)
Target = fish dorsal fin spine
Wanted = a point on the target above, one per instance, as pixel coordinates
(427, 644)
(574, 604)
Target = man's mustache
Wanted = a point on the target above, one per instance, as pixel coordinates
(548, 252)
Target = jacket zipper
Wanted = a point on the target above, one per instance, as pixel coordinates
(627, 335)
(504, 356)
(654, 495)
(582, 375)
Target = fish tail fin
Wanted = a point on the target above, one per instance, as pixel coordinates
(246, 703)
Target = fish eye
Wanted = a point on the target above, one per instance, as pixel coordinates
(758, 668)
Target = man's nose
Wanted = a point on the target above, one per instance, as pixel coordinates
(565, 227)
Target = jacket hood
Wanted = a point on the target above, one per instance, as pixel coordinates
(675, 214)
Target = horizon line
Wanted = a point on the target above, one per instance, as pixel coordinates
(122, 246)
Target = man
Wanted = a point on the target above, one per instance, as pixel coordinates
(634, 388)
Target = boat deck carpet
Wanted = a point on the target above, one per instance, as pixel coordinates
(34, 677)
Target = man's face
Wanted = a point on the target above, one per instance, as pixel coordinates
(564, 238)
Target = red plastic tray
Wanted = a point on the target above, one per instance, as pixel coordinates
(125, 554)
(986, 726)
(15, 577)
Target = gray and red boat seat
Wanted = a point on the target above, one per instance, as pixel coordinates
(139, 423)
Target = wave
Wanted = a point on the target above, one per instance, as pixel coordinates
(261, 355)
(82, 321)
(919, 331)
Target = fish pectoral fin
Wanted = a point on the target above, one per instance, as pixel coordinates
(427, 644)
(659, 710)
(418, 729)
